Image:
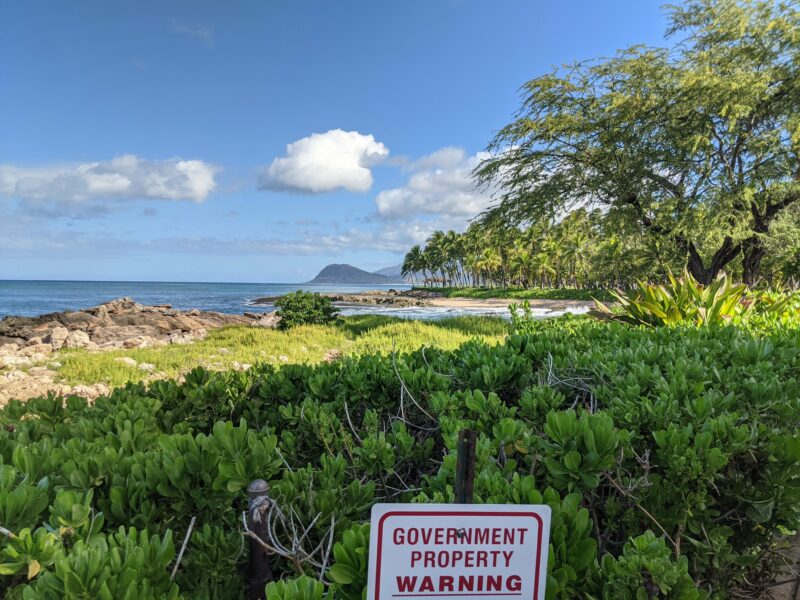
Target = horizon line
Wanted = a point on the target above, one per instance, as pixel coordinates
(198, 282)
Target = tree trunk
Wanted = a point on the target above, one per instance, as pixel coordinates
(705, 275)
(752, 255)
(694, 264)
(722, 257)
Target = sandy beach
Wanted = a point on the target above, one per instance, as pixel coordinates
(469, 303)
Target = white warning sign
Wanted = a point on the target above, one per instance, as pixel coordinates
(458, 551)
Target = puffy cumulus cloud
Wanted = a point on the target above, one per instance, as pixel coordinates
(127, 177)
(439, 184)
(323, 162)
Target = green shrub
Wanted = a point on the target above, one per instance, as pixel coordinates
(301, 588)
(305, 308)
(349, 573)
(124, 564)
(686, 432)
(646, 570)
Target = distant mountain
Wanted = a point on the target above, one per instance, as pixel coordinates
(348, 274)
(394, 272)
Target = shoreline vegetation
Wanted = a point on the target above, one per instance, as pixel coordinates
(573, 402)
(239, 348)
(620, 429)
(92, 351)
(122, 341)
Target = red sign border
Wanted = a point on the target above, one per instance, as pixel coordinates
(447, 513)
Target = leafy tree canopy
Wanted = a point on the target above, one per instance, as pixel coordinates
(697, 144)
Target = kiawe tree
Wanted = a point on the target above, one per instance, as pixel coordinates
(697, 144)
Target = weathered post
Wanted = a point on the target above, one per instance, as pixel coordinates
(465, 466)
(259, 571)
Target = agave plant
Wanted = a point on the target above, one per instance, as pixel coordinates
(681, 301)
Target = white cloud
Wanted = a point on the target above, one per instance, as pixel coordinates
(448, 157)
(126, 177)
(439, 194)
(440, 184)
(323, 162)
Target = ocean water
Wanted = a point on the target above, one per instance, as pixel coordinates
(31, 298)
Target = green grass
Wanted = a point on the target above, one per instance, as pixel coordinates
(404, 336)
(522, 293)
(303, 344)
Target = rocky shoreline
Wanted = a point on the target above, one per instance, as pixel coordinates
(28, 345)
(120, 323)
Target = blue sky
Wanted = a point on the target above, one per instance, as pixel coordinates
(148, 140)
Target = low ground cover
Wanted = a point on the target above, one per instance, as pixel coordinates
(670, 457)
(225, 347)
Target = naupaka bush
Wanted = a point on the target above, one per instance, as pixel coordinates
(670, 458)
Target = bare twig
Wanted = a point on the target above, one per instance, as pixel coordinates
(576, 382)
(288, 466)
(328, 551)
(777, 583)
(288, 524)
(412, 425)
(349, 422)
(183, 549)
(405, 387)
(646, 512)
(399, 492)
(8, 533)
(250, 533)
(427, 364)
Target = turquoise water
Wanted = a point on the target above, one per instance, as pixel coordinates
(38, 297)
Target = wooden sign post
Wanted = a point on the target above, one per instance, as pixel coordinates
(259, 571)
(465, 466)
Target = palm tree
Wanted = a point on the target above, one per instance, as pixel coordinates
(491, 263)
(552, 256)
(611, 257)
(520, 263)
(453, 250)
(435, 254)
(584, 249)
(544, 269)
(574, 253)
(413, 263)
